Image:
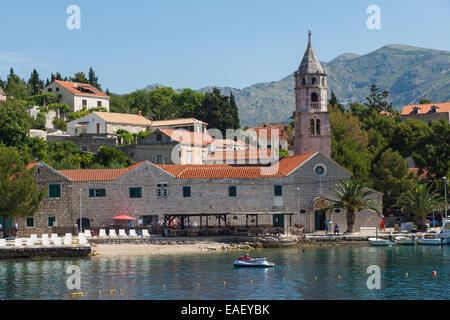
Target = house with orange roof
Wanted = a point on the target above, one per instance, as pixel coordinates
(282, 193)
(427, 112)
(78, 95)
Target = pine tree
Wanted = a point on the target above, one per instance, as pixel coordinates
(236, 123)
(93, 79)
(35, 84)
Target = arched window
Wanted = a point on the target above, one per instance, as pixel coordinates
(314, 100)
(318, 127)
(323, 82)
(304, 81)
(311, 130)
(314, 81)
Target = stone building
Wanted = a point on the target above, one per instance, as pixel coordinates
(312, 120)
(86, 143)
(427, 112)
(293, 187)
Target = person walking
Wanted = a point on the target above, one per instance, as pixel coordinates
(16, 229)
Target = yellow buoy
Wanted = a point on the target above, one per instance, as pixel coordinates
(112, 291)
(224, 283)
(406, 274)
(120, 290)
(315, 277)
(77, 294)
(251, 281)
(339, 277)
(198, 284)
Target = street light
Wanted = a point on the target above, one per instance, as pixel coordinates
(298, 205)
(81, 218)
(445, 194)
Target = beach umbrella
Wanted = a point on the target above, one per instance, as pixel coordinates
(124, 218)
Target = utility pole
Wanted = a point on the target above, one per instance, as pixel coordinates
(445, 194)
(81, 218)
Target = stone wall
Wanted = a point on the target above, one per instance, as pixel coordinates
(87, 143)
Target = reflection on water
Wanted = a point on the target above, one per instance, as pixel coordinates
(293, 277)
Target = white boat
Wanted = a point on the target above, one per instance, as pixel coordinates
(436, 238)
(260, 262)
(381, 242)
(405, 241)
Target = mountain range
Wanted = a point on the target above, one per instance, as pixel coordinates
(409, 73)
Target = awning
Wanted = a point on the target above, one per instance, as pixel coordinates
(124, 217)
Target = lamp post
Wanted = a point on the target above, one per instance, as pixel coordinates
(445, 194)
(298, 205)
(81, 217)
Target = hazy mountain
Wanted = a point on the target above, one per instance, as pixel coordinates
(410, 73)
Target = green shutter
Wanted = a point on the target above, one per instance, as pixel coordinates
(54, 191)
(91, 193)
(30, 222)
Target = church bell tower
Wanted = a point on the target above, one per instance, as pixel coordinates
(312, 120)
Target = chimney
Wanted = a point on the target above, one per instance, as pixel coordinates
(54, 78)
(139, 113)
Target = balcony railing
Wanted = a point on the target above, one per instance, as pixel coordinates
(315, 105)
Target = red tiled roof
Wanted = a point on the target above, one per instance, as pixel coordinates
(187, 137)
(421, 175)
(232, 171)
(96, 174)
(32, 165)
(76, 88)
(426, 108)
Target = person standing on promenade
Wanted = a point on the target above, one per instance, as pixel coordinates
(16, 229)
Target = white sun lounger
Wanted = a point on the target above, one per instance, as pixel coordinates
(87, 233)
(112, 233)
(56, 241)
(34, 237)
(133, 233)
(54, 236)
(68, 240)
(145, 233)
(30, 242)
(18, 242)
(46, 242)
(122, 233)
(2, 242)
(44, 236)
(102, 233)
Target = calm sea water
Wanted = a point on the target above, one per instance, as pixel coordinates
(293, 277)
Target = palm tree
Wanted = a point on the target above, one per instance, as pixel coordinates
(420, 201)
(352, 197)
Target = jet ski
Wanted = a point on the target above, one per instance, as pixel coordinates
(259, 262)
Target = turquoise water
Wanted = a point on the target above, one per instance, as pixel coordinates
(142, 277)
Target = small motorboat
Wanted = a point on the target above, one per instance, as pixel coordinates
(432, 239)
(405, 241)
(259, 262)
(381, 242)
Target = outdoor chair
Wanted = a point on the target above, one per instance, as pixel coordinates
(54, 236)
(30, 242)
(122, 233)
(82, 239)
(87, 233)
(44, 236)
(102, 233)
(18, 242)
(112, 233)
(133, 233)
(46, 242)
(2, 242)
(34, 237)
(56, 241)
(145, 233)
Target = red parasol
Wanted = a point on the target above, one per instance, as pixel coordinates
(124, 217)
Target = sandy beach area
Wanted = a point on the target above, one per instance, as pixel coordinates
(161, 249)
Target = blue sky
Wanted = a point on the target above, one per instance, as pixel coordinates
(194, 43)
